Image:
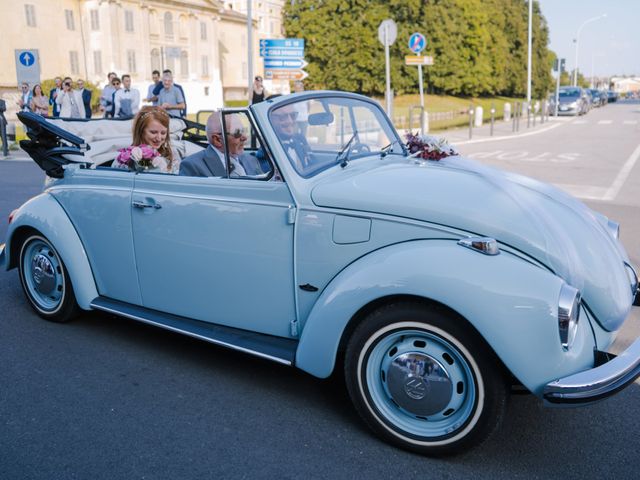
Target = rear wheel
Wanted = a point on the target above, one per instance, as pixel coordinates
(422, 379)
(45, 280)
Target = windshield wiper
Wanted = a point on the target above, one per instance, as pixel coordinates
(346, 152)
(384, 151)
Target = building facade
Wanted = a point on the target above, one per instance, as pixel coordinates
(201, 41)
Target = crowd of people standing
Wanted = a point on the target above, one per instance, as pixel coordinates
(118, 99)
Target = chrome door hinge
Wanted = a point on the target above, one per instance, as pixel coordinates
(291, 215)
(293, 328)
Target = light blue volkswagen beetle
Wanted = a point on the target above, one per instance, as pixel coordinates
(436, 285)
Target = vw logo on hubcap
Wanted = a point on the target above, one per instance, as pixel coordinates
(43, 274)
(415, 388)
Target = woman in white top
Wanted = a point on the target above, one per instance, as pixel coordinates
(70, 101)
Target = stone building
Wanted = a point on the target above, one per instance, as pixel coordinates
(204, 43)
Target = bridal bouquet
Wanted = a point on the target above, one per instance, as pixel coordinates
(140, 157)
(428, 147)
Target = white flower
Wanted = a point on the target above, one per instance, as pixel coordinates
(136, 154)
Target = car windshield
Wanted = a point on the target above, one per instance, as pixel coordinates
(322, 132)
(570, 92)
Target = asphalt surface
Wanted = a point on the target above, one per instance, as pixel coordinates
(107, 398)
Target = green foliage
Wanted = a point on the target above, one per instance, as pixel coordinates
(479, 46)
(49, 84)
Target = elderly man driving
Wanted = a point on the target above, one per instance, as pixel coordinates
(211, 162)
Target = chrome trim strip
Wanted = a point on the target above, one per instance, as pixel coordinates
(614, 229)
(597, 383)
(190, 334)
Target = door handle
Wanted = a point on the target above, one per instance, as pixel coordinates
(143, 205)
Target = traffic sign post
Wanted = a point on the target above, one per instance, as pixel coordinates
(27, 66)
(417, 43)
(387, 33)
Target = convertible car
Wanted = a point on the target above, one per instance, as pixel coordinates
(436, 285)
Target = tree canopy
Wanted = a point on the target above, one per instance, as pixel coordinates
(479, 46)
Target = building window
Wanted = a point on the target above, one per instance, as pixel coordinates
(30, 12)
(68, 16)
(95, 20)
(184, 63)
(73, 62)
(168, 24)
(97, 62)
(156, 64)
(206, 91)
(205, 66)
(131, 61)
(203, 31)
(128, 21)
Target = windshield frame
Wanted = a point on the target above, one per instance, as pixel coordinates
(376, 108)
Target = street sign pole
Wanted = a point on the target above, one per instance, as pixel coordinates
(387, 68)
(423, 126)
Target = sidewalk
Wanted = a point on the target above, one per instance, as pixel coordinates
(501, 130)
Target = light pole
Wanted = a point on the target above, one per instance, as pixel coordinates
(529, 57)
(577, 40)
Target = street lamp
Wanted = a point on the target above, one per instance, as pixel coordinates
(577, 40)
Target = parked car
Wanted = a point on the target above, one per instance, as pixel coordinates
(612, 96)
(599, 98)
(572, 101)
(435, 284)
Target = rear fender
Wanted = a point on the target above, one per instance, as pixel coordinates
(45, 215)
(512, 303)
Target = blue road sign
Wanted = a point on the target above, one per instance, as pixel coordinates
(282, 43)
(27, 58)
(284, 63)
(417, 42)
(282, 52)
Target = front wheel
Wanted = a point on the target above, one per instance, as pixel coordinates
(422, 379)
(45, 280)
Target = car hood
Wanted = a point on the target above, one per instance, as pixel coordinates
(533, 217)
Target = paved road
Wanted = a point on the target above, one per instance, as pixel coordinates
(104, 397)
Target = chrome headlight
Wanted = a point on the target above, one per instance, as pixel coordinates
(614, 229)
(573, 104)
(568, 315)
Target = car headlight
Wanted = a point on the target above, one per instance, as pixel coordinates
(568, 315)
(573, 104)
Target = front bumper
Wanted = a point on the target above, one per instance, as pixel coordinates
(597, 383)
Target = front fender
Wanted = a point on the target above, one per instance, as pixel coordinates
(512, 303)
(44, 214)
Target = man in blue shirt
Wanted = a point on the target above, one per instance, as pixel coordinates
(53, 94)
(155, 76)
(157, 88)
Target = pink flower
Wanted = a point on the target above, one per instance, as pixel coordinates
(136, 154)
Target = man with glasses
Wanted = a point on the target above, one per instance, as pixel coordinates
(53, 94)
(211, 162)
(86, 97)
(24, 102)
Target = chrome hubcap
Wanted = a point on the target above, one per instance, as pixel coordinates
(419, 384)
(43, 274)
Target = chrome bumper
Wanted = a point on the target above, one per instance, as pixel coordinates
(597, 383)
(2, 257)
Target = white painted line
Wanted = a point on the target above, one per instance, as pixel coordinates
(15, 159)
(580, 122)
(587, 192)
(605, 122)
(508, 137)
(624, 173)
(630, 122)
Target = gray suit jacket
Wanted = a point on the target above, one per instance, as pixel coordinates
(205, 163)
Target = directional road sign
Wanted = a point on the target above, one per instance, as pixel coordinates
(282, 43)
(285, 74)
(418, 60)
(27, 66)
(417, 42)
(284, 63)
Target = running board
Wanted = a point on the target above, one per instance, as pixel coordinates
(277, 349)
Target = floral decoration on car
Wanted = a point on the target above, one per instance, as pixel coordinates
(140, 157)
(428, 147)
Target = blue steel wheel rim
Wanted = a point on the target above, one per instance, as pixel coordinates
(43, 275)
(449, 420)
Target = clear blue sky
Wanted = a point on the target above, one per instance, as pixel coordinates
(611, 44)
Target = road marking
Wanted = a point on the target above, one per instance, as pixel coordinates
(586, 192)
(630, 122)
(580, 122)
(525, 156)
(624, 173)
(605, 122)
(508, 137)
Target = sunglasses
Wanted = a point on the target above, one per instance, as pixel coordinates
(115, 83)
(238, 133)
(283, 116)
